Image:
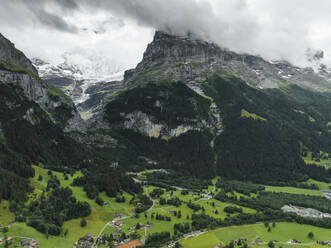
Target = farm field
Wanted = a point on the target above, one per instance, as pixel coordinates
(283, 232)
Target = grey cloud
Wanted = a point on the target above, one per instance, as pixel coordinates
(279, 29)
(24, 13)
(55, 21)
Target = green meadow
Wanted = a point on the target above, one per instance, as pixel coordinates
(293, 190)
(100, 215)
(283, 232)
(5, 215)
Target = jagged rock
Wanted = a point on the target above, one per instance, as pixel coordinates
(17, 69)
(190, 60)
(9, 55)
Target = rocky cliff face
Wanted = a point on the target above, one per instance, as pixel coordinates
(10, 56)
(189, 60)
(17, 69)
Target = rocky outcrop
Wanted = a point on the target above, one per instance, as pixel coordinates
(145, 125)
(190, 60)
(33, 88)
(10, 56)
(16, 69)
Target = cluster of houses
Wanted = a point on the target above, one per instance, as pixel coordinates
(327, 193)
(324, 242)
(294, 241)
(8, 240)
(88, 240)
(257, 241)
(29, 243)
(26, 243)
(85, 242)
(305, 212)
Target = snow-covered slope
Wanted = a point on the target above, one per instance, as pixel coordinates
(82, 81)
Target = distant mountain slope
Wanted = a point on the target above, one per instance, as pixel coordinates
(34, 119)
(85, 85)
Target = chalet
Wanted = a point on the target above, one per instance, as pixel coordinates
(258, 241)
(88, 237)
(34, 244)
(132, 244)
(294, 241)
(118, 223)
(116, 237)
(9, 240)
(149, 225)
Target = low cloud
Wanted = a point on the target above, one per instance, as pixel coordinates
(277, 30)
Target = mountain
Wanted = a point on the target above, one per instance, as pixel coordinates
(195, 107)
(192, 60)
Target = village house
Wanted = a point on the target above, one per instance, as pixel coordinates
(328, 242)
(140, 225)
(86, 241)
(258, 241)
(132, 244)
(149, 225)
(116, 237)
(294, 241)
(10, 240)
(118, 223)
(29, 243)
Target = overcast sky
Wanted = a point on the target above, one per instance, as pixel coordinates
(118, 31)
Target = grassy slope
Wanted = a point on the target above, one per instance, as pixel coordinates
(245, 113)
(21, 229)
(102, 215)
(293, 190)
(321, 185)
(5, 215)
(99, 217)
(283, 232)
(323, 162)
(160, 226)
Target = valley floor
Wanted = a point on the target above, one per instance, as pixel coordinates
(283, 233)
(102, 219)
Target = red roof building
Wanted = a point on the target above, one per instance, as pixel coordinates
(132, 244)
